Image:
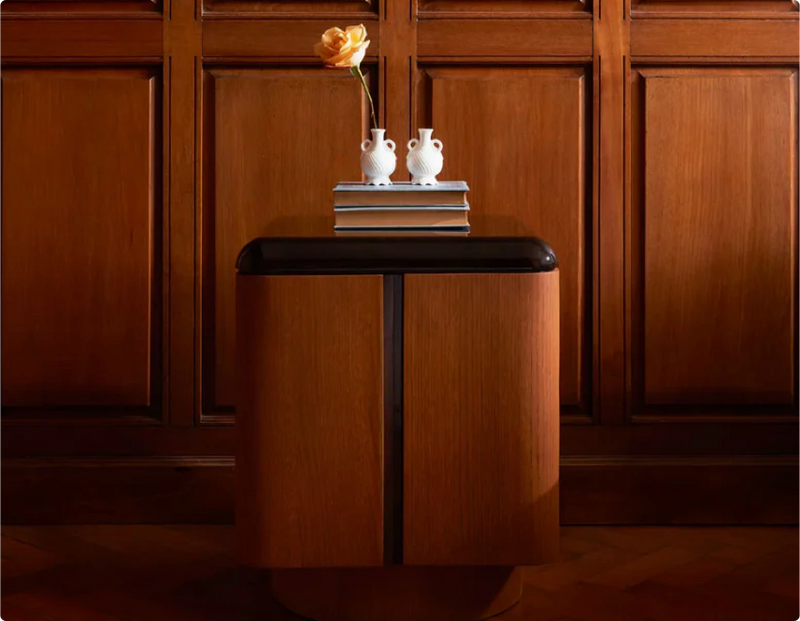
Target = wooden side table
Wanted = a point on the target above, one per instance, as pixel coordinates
(397, 421)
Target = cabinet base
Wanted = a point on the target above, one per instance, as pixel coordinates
(398, 593)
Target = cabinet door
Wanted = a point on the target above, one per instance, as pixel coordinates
(480, 419)
(310, 420)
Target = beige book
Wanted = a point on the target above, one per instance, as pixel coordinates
(357, 199)
(402, 218)
(427, 232)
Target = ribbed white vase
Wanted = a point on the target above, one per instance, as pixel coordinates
(424, 160)
(378, 160)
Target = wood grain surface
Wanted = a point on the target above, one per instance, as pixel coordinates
(254, 130)
(398, 593)
(715, 37)
(481, 419)
(543, 183)
(248, 190)
(286, 38)
(449, 9)
(119, 490)
(187, 573)
(661, 489)
(504, 37)
(610, 71)
(80, 261)
(231, 9)
(719, 239)
(310, 421)
(49, 39)
(182, 183)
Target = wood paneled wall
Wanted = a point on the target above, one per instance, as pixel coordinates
(652, 142)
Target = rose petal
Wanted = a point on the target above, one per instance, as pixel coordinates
(355, 59)
(323, 51)
(349, 58)
(356, 34)
(340, 60)
(330, 33)
(336, 59)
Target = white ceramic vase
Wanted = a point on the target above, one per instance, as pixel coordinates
(424, 160)
(378, 160)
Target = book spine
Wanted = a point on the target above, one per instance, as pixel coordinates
(432, 227)
(421, 208)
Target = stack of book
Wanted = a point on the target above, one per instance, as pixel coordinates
(401, 207)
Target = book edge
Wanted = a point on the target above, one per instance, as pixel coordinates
(446, 207)
(432, 227)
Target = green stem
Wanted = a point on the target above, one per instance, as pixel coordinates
(356, 71)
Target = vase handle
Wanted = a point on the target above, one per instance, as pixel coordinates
(438, 144)
(412, 143)
(390, 144)
(366, 144)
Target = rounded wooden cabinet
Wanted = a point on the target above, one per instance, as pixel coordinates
(397, 421)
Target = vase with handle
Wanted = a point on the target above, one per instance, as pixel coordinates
(424, 160)
(378, 160)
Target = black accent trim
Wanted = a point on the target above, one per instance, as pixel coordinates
(397, 418)
(381, 255)
(393, 419)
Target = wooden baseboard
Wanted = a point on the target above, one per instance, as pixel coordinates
(118, 490)
(679, 490)
(594, 490)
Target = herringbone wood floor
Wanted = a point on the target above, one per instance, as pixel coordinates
(187, 573)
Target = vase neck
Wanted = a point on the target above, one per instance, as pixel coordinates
(377, 135)
(425, 136)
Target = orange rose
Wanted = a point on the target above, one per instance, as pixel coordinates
(343, 48)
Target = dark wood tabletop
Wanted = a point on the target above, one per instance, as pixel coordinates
(311, 246)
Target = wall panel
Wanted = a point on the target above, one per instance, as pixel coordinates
(714, 236)
(81, 238)
(347, 9)
(454, 9)
(53, 40)
(539, 110)
(273, 156)
(523, 162)
(252, 39)
(714, 37)
(120, 9)
(505, 37)
(693, 9)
